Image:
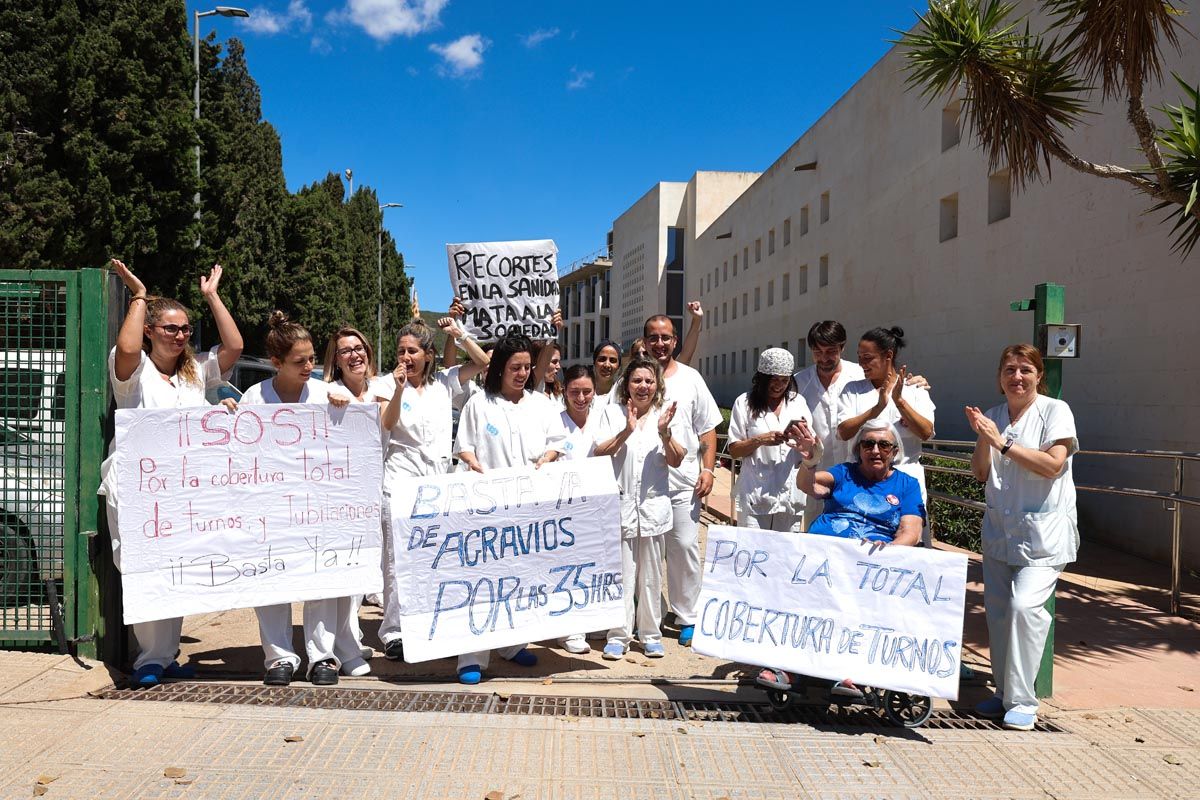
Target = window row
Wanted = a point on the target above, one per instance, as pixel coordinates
(728, 310)
(999, 205)
(745, 361)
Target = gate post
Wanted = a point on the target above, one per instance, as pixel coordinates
(93, 566)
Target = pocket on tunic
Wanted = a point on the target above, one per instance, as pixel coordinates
(1046, 535)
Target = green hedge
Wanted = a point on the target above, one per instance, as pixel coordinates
(954, 524)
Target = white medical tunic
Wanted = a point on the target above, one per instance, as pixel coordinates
(263, 393)
(698, 412)
(823, 403)
(580, 442)
(147, 388)
(767, 482)
(1031, 520)
(640, 467)
(421, 442)
(505, 434)
(861, 396)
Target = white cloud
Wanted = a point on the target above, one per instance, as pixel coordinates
(265, 21)
(580, 78)
(383, 19)
(464, 55)
(532, 40)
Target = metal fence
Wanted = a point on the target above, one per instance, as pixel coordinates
(53, 333)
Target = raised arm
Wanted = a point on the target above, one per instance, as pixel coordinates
(450, 349)
(129, 338)
(479, 359)
(231, 337)
(692, 340)
(546, 353)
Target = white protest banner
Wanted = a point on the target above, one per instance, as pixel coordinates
(507, 287)
(507, 556)
(889, 617)
(271, 504)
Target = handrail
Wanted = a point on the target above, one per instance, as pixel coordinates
(590, 258)
(1173, 501)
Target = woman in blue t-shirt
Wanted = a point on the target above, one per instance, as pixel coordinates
(867, 498)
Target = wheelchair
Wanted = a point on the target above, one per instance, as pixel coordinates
(900, 708)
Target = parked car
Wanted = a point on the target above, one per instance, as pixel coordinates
(248, 371)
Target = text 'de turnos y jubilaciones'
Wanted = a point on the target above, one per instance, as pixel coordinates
(506, 287)
(507, 556)
(889, 617)
(270, 504)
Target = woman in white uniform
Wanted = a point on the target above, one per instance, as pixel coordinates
(606, 363)
(884, 394)
(153, 366)
(763, 425)
(579, 420)
(350, 366)
(1030, 530)
(506, 426)
(290, 348)
(638, 433)
(416, 399)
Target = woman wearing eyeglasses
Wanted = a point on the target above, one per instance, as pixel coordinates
(867, 499)
(153, 366)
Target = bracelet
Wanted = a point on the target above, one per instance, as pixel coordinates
(709, 471)
(141, 297)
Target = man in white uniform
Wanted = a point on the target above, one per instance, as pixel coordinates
(692, 481)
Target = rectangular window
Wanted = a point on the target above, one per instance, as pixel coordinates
(948, 221)
(770, 293)
(575, 343)
(786, 289)
(745, 299)
(733, 362)
(802, 280)
(787, 231)
(823, 278)
(757, 250)
(756, 359)
(734, 304)
(824, 207)
(801, 354)
(746, 257)
(725, 271)
(951, 128)
(591, 337)
(803, 220)
(674, 270)
(722, 363)
(743, 361)
(757, 298)
(771, 242)
(735, 265)
(999, 196)
(604, 330)
(716, 275)
(706, 365)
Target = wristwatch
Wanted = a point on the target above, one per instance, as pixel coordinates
(1009, 442)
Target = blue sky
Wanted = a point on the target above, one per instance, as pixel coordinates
(523, 120)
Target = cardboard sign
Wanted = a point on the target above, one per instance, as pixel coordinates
(507, 556)
(507, 287)
(888, 617)
(271, 504)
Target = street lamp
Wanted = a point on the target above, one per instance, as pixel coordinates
(223, 11)
(379, 274)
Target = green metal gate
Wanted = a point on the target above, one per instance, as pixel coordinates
(53, 409)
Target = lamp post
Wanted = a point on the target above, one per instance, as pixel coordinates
(379, 275)
(222, 11)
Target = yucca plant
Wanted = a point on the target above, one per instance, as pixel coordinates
(1022, 90)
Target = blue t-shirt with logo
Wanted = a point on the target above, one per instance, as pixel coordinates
(860, 509)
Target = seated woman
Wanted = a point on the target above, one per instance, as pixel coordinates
(867, 499)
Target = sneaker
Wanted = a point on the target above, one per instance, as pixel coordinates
(279, 674)
(394, 650)
(578, 646)
(177, 670)
(356, 668)
(654, 650)
(992, 708)
(524, 658)
(470, 674)
(685, 635)
(1017, 721)
(147, 675)
(324, 673)
(614, 651)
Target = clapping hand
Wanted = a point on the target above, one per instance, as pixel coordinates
(984, 427)
(631, 416)
(897, 384)
(664, 420)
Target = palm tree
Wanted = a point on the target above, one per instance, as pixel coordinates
(1023, 90)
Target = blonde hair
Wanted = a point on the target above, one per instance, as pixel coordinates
(185, 367)
(332, 371)
(424, 336)
(641, 362)
(284, 335)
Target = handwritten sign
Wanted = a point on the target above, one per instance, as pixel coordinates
(507, 556)
(831, 608)
(272, 504)
(507, 287)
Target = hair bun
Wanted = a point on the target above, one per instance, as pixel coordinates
(898, 332)
(277, 319)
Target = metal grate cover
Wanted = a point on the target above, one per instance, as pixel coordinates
(817, 716)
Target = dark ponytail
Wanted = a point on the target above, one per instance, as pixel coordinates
(886, 339)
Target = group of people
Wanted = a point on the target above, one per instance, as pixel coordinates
(831, 450)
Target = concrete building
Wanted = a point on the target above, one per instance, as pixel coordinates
(882, 213)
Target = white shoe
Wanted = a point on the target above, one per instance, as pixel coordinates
(373, 599)
(578, 646)
(356, 668)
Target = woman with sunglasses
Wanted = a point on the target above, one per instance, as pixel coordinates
(153, 366)
(867, 499)
(290, 348)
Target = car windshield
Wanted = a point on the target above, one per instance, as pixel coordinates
(21, 392)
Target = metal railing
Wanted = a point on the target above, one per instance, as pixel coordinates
(1173, 501)
(600, 254)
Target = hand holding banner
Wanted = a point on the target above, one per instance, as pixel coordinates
(507, 287)
(506, 557)
(889, 617)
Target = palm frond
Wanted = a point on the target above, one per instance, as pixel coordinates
(1115, 41)
(1180, 146)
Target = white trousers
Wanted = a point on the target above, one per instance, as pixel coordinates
(347, 640)
(320, 633)
(641, 578)
(781, 522)
(1015, 599)
(389, 629)
(157, 641)
(484, 657)
(682, 547)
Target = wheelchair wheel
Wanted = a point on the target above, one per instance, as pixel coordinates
(907, 710)
(778, 699)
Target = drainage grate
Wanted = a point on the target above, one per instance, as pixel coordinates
(816, 716)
